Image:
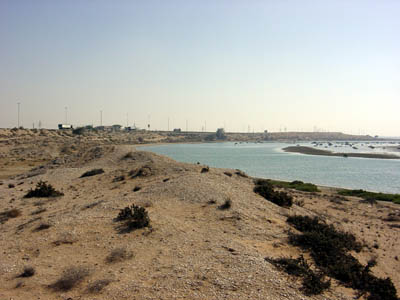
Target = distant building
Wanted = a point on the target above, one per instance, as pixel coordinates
(177, 130)
(64, 126)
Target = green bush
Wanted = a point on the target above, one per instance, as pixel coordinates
(265, 189)
(370, 196)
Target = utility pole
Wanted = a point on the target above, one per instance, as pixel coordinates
(18, 112)
(101, 118)
(168, 124)
(186, 125)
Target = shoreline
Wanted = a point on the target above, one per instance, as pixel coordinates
(311, 151)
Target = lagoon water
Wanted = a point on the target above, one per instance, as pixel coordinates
(267, 160)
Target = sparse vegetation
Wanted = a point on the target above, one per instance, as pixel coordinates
(241, 173)
(128, 155)
(266, 190)
(371, 195)
(78, 131)
(27, 272)
(42, 226)
(137, 188)
(92, 173)
(135, 217)
(70, 278)
(226, 205)
(205, 169)
(141, 172)
(229, 174)
(9, 214)
(330, 250)
(118, 255)
(94, 204)
(43, 190)
(297, 185)
(119, 178)
(11, 185)
(98, 285)
(313, 283)
(38, 211)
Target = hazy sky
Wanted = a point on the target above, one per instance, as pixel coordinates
(299, 65)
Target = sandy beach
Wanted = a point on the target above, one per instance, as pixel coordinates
(313, 151)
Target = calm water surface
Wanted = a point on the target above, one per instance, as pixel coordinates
(267, 160)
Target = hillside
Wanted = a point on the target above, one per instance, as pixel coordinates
(193, 248)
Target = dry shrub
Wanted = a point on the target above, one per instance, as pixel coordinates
(134, 217)
(70, 278)
(65, 238)
(118, 255)
(313, 283)
(226, 205)
(92, 173)
(330, 250)
(228, 174)
(137, 188)
(205, 169)
(144, 171)
(27, 272)
(98, 285)
(42, 226)
(43, 190)
(9, 214)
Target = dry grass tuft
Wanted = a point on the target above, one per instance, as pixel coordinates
(98, 285)
(28, 272)
(118, 255)
(70, 278)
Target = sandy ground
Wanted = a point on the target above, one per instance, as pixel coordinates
(192, 251)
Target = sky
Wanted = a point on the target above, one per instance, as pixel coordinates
(243, 65)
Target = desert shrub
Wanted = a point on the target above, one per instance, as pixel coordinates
(98, 285)
(27, 272)
(141, 172)
(135, 216)
(313, 283)
(265, 189)
(92, 173)
(228, 174)
(11, 185)
(9, 214)
(119, 178)
(165, 179)
(42, 226)
(70, 278)
(43, 190)
(128, 155)
(78, 131)
(297, 185)
(226, 205)
(330, 250)
(137, 188)
(241, 173)
(38, 211)
(205, 170)
(118, 255)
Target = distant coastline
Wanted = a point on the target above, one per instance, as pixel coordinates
(313, 151)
